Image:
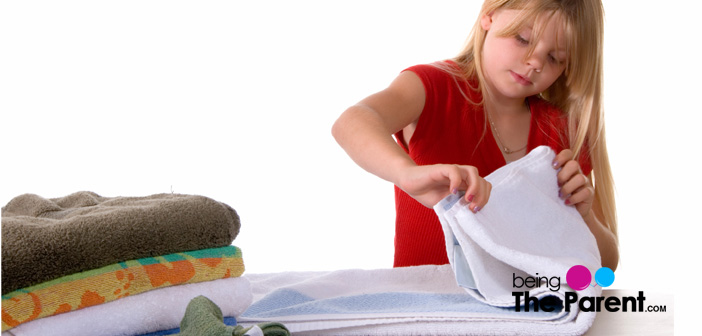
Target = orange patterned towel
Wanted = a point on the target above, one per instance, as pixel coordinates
(105, 284)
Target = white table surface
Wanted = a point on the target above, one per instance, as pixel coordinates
(636, 323)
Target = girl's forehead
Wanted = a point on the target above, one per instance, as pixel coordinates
(546, 24)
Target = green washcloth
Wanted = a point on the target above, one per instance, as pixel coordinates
(204, 318)
(269, 329)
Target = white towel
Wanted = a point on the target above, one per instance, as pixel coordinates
(525, 230)
(420, 300)
(159, 309)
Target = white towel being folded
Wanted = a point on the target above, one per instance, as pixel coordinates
(525, 230)
(159, 309)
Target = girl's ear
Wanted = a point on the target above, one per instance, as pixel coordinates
(486, 21)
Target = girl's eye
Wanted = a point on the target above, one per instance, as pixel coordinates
(554, 60)
(521, 40)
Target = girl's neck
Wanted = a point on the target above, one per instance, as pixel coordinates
(506, 107)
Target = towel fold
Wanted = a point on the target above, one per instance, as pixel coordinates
(112, 282)
(155, 310)
(43, 239)
(525, 230)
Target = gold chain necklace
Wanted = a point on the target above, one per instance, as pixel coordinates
(497, 134)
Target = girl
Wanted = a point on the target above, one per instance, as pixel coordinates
(530, 75)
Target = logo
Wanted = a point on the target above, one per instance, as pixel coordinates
(579, 277)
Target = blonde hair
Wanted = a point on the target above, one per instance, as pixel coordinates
(577, 92)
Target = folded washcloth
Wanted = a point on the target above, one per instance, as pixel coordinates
(525, 230)
(204, 318)
(155, 310)
(420, 300)
(112, 282)
(43, 239)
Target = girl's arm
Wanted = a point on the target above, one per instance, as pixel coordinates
(365, 132)
(606, 241)
(576, 190)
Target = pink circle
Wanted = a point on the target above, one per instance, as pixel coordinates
(578, 277)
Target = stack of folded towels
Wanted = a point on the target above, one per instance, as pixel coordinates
(91, 265)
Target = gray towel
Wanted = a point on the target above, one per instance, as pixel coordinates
(43, 239)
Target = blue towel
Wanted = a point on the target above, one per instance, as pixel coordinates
(291, 303)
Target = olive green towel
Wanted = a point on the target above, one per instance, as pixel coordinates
(44, 239)
(204, 318)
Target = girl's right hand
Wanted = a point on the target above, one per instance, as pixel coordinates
(430, 184)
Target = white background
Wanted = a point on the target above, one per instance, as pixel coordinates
(234, 100)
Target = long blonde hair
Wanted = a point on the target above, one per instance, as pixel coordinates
(577, 92)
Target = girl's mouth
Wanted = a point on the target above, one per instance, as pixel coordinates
(520, 79)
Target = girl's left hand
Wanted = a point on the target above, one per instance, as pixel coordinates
(574, 187)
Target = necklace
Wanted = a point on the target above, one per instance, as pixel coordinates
(497, 134)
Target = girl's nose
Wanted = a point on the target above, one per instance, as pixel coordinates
(535, 62)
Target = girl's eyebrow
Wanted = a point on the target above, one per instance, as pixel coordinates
(562, 49)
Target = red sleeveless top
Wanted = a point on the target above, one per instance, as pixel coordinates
(452, 130)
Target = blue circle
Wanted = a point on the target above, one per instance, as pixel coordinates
(604, 277)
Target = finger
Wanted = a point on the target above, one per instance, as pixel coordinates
(573, 185)
(455, 176)
(575, 182)
(568, 170)
(562, 157)
(584, 194)
(472, 179)
(483, 196)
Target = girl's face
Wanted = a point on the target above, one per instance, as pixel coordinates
(509, 71)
